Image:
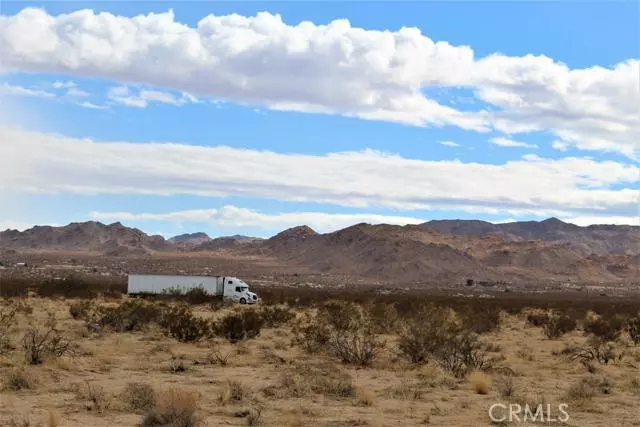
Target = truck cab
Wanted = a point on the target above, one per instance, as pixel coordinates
(238, 291)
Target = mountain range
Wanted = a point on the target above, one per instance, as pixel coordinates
(431, 252)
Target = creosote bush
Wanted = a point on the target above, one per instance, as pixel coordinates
(81, 310)
(39, 343)
(558, 324)
(129, 316)
(181, 324)
(606, 329)
(344, 328)
(275, 316)
(139, 397)
(633, 326)
(436, 333)
(240, 325)
(18, 379)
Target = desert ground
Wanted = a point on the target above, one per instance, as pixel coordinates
(339, 361)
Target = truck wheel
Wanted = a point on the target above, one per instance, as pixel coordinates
(243, 301)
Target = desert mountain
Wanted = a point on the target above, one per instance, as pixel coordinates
(416, 253)
(225, 242)
(112, 239)
(190, 238)
(526, 252)
(593, 239)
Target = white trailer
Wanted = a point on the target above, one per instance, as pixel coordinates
(229, 288)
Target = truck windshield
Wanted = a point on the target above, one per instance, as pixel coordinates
(244, 288)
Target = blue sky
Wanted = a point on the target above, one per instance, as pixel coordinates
(529, 110)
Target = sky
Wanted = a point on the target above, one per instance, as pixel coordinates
(252, 117)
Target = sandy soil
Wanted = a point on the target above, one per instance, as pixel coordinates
(88, 387)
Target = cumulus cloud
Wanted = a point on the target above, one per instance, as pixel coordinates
(237, 217)
(506, 142)
(333, 69)
(39, 162)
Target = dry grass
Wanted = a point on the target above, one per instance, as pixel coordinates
(480, 382)
(365, 397)
(173, 407)
(123, 378)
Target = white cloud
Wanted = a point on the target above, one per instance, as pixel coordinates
(449, 143)
(236, 217)
(560, 145)
(19, 225)
(91, 105)
(63, 85)
(122, 95)
(39, 162)
(77, 93)
(332, 69)
(506, 142)
(7, 89)
(616, 220)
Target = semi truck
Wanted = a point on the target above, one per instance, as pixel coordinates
(229, 288)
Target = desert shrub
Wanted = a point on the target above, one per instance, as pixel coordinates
(537, 319)
(384, 317)
(462, 353)
(596, 350)
(341, 315)
(197, 295)
(97, 399)
(327, 380)
(589, 387)
(276, 315)
(505, 386)
(128, 316)
(81, 309)
(18, 379)
(357, 347)
(233, 392)
(606, 329)
(139, 397)
(633, 326)
(41, 342)
(181, 324)
(311, 332)
(7, 320)
(480, 319)
(423, 334)
(237, 326)
(480, 382)
(254, 417)
(365, 397)
(435, 332)
(343, 328)
(173, 408)
(78, 287)
(557, 325)
(216, 357)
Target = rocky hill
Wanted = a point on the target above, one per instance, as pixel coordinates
(594, 239)
(524, 252)
(112, 239)
(416, 253)
(190, 239)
